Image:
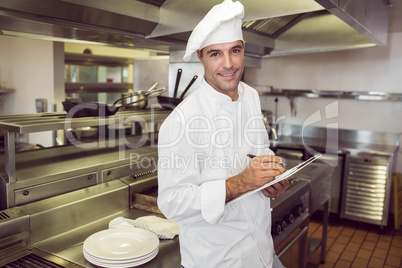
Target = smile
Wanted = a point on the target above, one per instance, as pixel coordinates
(227, 75)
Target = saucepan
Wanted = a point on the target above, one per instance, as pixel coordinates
(139, 99)
(75, 109)
(170, 103)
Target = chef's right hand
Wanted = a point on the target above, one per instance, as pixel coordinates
(261, 170)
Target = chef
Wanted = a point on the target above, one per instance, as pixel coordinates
(203, 152)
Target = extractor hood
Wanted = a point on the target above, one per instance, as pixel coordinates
(271, 27)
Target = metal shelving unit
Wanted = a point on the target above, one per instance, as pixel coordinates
(353, 95)
(73, 59)
(12, 125)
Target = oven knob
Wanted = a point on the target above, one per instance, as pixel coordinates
(289, 218)
(297, 210)
(283, 225)
(276, 228)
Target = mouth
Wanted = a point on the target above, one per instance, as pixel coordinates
(228, 75)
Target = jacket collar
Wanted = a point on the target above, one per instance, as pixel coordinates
(219, 97)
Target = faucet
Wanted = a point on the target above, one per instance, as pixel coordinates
(271, 129)
(274, 133)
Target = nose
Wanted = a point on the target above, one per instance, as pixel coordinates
(228, 61)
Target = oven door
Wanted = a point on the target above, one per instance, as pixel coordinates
(293, 250)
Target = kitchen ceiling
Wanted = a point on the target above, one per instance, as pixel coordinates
(271, 27)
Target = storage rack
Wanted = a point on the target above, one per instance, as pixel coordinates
(12, 125)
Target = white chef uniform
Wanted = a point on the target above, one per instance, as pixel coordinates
(203, 142)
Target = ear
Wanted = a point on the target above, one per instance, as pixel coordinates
(199, 55)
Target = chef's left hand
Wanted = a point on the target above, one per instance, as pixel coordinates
(276, 189)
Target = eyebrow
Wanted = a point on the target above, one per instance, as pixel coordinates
(218, 50)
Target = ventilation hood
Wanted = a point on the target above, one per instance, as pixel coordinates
(271, 27)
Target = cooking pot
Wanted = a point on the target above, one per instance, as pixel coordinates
(139, 99)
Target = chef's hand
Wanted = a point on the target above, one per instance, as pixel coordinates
(261, 170)
(276, 189)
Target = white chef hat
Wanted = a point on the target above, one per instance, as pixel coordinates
(222, 24)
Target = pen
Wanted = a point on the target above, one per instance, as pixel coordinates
(283, 164)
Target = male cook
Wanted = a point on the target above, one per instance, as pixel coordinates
(203, 162)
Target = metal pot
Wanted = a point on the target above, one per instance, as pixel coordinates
(139, 99)
(134, 100)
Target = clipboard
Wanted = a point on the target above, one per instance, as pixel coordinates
(279, 178)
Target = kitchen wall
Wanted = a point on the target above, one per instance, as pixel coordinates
(369, 69)
(28, 67)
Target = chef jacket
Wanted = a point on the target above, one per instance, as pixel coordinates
(203, 142)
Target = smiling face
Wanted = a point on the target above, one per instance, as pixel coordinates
(223, 65)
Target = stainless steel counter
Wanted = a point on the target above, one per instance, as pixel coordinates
(69, 246)
(319, 144)
(55, 228)
(336, 140)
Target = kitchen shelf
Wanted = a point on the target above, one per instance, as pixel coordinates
(93, 87)
(354, 95)
(29, 123)
(93, 60)
(12, 125)
(6, 90)
(73, 62)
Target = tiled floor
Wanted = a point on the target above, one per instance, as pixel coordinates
(353, 244)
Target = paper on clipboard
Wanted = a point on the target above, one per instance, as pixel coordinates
(280, 177)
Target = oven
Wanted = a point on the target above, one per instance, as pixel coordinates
(309, 191)
(290, 224)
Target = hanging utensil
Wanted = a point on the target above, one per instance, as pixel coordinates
(176, 87)
(153, 87)
(188, 86)
(170, 103)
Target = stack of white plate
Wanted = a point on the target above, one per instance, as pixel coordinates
(121, 247)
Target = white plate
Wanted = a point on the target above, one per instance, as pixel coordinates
(122, 265)
(121, 243)
(90, 257)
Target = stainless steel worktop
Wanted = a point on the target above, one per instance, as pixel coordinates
(55, 228)
(319, 144)
(72, 251)
(336, 140)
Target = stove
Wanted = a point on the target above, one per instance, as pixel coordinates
(290, 210)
